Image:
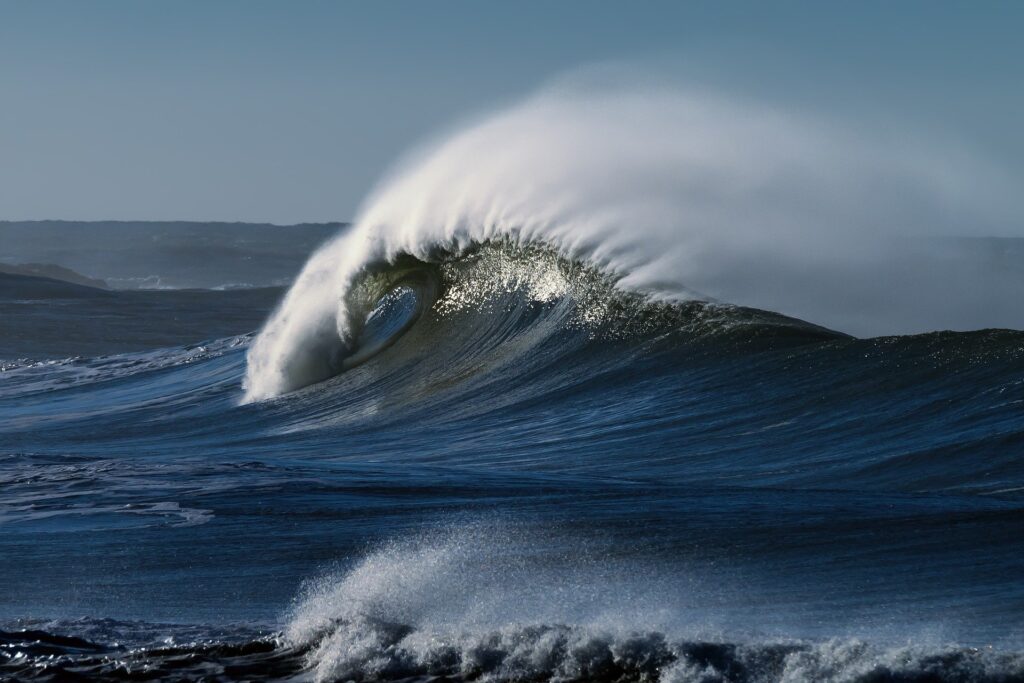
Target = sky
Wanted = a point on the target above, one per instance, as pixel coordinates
(287, 112)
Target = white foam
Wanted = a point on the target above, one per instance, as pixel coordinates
(489, 601)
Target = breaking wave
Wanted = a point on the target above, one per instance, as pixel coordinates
(466, 604)
(673, 197)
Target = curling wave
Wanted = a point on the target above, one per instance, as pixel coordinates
(498, 291)
(674, 197)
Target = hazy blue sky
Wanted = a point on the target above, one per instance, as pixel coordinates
(289, 111)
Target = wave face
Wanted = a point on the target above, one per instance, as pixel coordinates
(675, 196)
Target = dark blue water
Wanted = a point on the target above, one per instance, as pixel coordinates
(575, 487)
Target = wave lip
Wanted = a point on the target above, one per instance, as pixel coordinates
(479, 296)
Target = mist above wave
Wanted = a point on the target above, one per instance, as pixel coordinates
(678, 195)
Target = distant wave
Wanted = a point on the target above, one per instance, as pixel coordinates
(675, 196)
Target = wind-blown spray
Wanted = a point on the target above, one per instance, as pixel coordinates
(677, 195)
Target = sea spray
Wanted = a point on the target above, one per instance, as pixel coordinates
(678, 195)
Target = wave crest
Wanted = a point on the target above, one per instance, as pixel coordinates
(676, 196)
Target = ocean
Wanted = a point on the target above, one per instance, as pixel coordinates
(526, 475)
(614, 389)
